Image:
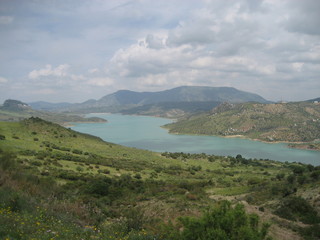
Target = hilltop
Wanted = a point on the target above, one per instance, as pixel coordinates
(14, 110)
(287, 122)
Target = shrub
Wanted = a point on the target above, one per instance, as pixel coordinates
(137, 176)
(297, 208)
(224, 222)
(2, 137)
(76, 151)
(7, 160)
(280, 176)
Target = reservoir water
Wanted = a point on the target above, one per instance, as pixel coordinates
(146, 133)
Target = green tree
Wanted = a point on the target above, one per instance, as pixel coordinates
(222, 223)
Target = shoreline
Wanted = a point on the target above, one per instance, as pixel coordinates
(288, 143)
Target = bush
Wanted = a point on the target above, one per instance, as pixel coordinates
(76, 151)
(2, 137)
(224, 222)
(137, 176)
(7, 160)
(297, 208)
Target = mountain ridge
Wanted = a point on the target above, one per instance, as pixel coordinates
(126, 99)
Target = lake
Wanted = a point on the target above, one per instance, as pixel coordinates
(146, 133)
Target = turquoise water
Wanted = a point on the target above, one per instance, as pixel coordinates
(145, 133)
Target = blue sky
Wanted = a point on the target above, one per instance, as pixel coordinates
(74, 50)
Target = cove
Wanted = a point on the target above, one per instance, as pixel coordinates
(146, 133)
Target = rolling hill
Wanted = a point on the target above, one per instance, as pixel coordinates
(289, 122)
(60, 184)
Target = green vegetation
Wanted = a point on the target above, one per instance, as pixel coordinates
(171, 109)
(224, 222)
(289, 122)
(68, 185)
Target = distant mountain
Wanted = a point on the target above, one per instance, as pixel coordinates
(314, 100)
(15, 105)
(125, 99)
(47, 106)
(14, 110)
(181, 94)
(171, 109)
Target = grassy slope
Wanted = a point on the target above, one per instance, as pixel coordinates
(170, 186)
(291, 122)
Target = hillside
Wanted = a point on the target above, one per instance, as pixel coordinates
(14, 110)
(125, 99)
(61, 184)
(288, 122)
(171, 109)
(47, 106)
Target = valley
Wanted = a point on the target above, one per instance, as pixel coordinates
(56, 182)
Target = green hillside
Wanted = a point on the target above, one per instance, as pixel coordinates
(171, 109)
(14, 110)
(288, 122)
(60, 184)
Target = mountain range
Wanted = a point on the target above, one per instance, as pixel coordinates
(124, 99)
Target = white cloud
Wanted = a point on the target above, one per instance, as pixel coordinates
(6, 19)
(44, 91)
(3, 80)
(101, 82)
(60, 71)
(93, 70)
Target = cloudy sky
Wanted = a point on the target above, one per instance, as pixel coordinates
(74, 50)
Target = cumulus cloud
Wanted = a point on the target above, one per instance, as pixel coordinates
(101, 82)
(265, 46)
(60, 71)
(242, 44)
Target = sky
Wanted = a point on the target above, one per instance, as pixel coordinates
(75, 50)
